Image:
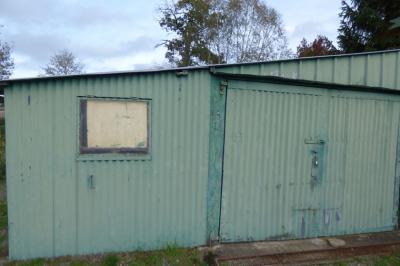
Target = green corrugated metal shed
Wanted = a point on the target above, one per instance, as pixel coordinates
(270, 150)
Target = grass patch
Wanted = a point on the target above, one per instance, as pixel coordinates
(111, 260)
(175, 256)
(369, 260)
(37, 262)
(79, 263)
(171, 256)
(3, 215)
(387, 261)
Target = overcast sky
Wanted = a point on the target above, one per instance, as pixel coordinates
(122, 35)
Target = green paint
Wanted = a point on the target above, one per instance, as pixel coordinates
(380, 70)
(268, 164)
(173, 194)
(216, 150)
(139, 203)
(396, 206)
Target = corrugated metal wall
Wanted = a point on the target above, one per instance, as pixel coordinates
(375, 69)
(137, 204)
(174, 195)
(272, 133)
(266, 163)
(360, 166)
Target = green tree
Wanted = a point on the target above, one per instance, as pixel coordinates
(320, 46)
(190, 21)
(368, 25)
(220, 31)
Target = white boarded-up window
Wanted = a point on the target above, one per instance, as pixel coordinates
(114, 125)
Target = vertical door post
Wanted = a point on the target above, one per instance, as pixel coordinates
(216, 154)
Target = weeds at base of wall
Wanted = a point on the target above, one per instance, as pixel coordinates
(111, 260)
(171, 256)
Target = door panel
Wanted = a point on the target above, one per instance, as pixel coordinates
(363, 139)
(272, 186)
(267, 188)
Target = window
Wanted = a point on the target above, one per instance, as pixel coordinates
(114, 126)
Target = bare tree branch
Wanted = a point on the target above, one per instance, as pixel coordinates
(219, 31)
(6, 61)
(63, 63)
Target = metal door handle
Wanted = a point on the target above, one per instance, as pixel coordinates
(314, 171)
(91, 182)
(315, 161)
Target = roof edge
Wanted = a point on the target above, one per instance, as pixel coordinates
(311, 58)
(181, 69)
(178, 70)
(3, 84)
(305, 83)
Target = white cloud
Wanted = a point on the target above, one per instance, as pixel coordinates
(121, 35)
(308, 18)
(129, 61)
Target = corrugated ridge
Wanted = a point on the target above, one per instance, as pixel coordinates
(375, 70)
(137, 204)
(267, 191)
(255, 133)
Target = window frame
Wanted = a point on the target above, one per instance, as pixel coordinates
(83, 136)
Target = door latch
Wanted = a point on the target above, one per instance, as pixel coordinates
(317, 152)
(222, 87)
(91, 182)
(315, 160)
(315, 171)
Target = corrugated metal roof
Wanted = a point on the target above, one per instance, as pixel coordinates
(307, 83)
(180, 69)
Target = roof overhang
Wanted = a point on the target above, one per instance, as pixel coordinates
(3, 84)
(180, 70)
(303, 82)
